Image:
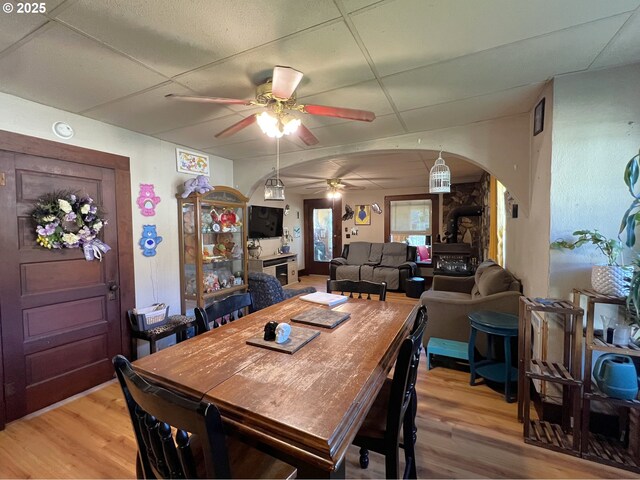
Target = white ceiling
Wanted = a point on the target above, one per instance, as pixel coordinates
(418, 64)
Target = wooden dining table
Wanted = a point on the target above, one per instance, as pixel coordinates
(304, 408)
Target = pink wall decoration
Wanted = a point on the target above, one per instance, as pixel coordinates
(147, 200)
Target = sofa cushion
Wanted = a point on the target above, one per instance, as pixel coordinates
(494, 279)
(358, 253)
(444, 295)
(375, 255)
(393, 254)
(366, 273)
(348, 272)
(390, 275)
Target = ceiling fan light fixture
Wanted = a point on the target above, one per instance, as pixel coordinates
(440, 177)
(277, 126)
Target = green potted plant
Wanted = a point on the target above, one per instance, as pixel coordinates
(629, 223)
(609, 279)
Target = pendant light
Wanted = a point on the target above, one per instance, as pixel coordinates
(440, 177)
(273, 187)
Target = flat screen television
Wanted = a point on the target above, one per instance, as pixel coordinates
(265, 222)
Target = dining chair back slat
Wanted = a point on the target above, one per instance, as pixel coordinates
(233, 306)
(153, 411)
(360, 287)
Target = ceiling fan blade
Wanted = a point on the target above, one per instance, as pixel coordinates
(285, 81)
(306, 136)
(236, 127)
(196, 98)
(350, 113)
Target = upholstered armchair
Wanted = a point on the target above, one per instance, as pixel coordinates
(266, 290)
(451, 299)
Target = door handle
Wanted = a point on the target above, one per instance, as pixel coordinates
(113, 286)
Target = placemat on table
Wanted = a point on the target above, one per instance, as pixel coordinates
(321, 317)
(299, 338)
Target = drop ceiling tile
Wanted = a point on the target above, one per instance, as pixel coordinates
(328, 56)
(625, 48)
(463, 112)
(354, 132)
(514, 65)
(253, 148)
(174, 36)
(363, 96)
(63, 69)
(15, 26)
(410, 33)
(353, 5)
(201, 135)
(149, 112)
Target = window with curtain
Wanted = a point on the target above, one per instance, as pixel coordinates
(411, 221)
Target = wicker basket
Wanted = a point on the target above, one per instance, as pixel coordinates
(150, 317)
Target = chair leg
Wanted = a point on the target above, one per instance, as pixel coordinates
(409, 433)
(364, 458)
(392, 462)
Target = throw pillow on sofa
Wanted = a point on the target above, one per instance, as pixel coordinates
(358, 253)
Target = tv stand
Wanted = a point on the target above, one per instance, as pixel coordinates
(283, 266)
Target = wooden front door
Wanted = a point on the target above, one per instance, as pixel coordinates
(60, 314)
(322, 235)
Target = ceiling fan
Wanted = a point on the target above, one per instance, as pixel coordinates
(335, 186)
(278, 96)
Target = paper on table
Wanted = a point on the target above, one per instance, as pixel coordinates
(323, 298)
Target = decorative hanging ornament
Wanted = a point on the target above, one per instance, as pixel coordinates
(273, 187)
(440, 177)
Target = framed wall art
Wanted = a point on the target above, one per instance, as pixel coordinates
(192, 162)
(362, 215)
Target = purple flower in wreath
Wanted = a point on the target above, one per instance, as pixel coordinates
(70, 217)
(93, 209)
(89, 218)
(72, 197)
(47, 230)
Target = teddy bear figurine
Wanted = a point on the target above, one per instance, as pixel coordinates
(200, 184)
(147, 200)
(188, 226)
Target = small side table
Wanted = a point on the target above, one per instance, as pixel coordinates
(493, 324)
(414, 287)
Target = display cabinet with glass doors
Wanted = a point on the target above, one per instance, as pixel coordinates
(213, 246)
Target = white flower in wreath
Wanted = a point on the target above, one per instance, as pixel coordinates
(70, 238)
(85, 209)
(64, 205)
(97, 226)
(49, 218)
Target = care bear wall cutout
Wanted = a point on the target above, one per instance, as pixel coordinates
(149, 241)
(147, 199)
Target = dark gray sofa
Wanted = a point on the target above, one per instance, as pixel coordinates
(391, 262)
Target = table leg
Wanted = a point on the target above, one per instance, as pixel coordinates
(472, 363)
(507, 364)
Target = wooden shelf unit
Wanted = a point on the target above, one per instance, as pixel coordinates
(283, 266)
(565, 437)
(595, 447)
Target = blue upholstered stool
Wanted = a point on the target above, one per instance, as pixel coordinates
(446, 348)
(494, 324)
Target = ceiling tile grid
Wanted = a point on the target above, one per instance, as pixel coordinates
(176, 36)
(64, 69)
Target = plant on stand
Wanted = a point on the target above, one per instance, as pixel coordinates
(630, 221)
(609, 279)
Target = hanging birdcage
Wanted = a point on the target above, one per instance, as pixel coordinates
(440, 177)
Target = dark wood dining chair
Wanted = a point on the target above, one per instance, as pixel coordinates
(199, 447)
(394, 410)
(360, 287)
(233, 305)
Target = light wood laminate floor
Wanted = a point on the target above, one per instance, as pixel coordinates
(463, 432)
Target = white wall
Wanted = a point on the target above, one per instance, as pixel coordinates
(527, 245)
(152, 161)
(294, 219)
(596, 131)
(500, 146)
